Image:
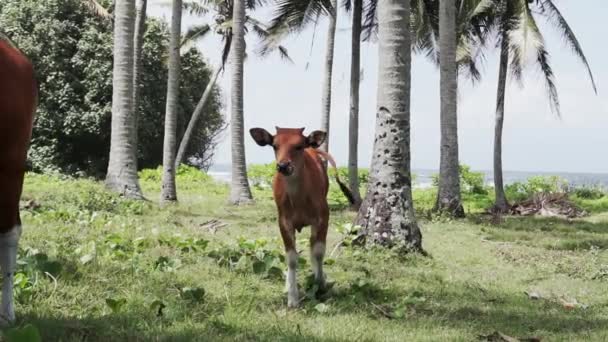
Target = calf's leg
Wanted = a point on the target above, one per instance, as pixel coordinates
(317, 252)
(291, 257)
(8, 258)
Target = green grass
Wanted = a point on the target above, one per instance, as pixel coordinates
(94, 267)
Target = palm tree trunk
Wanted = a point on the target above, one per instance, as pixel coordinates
(387, 213)
(198, 111)
(122, 166)
(501, 204)
(448, 197)
(353, 123)
(240, 191)
(140, 29)
(168, 191)
(329, 64)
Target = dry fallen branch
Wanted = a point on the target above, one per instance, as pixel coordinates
(213, 225)
(546, 205)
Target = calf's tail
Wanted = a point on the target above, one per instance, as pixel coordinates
(345, 190)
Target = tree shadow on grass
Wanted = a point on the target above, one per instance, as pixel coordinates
(128, 327)
(554, 233)
(467, 307)
(553, 225)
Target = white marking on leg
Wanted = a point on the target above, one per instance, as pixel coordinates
(9, 243)
(291, 282)
(317, 254)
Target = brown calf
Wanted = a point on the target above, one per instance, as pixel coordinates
(18, 97)
(300, 193)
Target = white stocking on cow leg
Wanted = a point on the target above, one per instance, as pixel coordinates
(292, 281)
(317, 253)
(8, 259)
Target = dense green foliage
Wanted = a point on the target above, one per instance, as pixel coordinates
(71, 49)
(471, 182)
(522, 190)
(97, 267)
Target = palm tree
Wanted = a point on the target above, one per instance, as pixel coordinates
(122, 167)
(448, 195)
(138, 43)
(223, 20)
(240, 191)
(329, 66)
(387, 213)
(353, 120)
(168, 191)
(517, 32)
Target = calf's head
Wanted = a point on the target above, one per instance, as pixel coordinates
(289, 145)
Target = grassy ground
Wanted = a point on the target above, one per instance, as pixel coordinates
(97, 268)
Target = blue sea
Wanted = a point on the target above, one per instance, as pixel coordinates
(221, 172)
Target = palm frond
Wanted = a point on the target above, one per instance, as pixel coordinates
(542, 59)
(369, 29)
(284, 53)
(195, 8)
(555, 17)
(293, 16)
(97, 9)
(534, 35)
(347, 5)
(255, 4)
(195, 33)
(226, 50)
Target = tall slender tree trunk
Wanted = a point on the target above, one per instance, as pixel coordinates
(122, 167)
(501, 204)
(140, 30)
(387, 213)
(448, 197)
(198, 111)
(329, 64)
(240, 191)
(353, 123)
(168, 191)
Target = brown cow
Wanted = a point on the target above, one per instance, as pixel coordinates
(18, 98)
(300, 193)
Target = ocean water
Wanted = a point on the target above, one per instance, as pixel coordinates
(423, 179)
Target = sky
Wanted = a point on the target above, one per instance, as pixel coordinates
(279, 93)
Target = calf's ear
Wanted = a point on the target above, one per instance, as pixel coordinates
(315, 139)
(261, 136)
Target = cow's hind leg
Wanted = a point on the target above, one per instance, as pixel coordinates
(8, 258)
(317, 253)
(291, 258)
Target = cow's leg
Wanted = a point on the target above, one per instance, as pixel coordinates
(317, 252)
(291, 257)
(8, 258)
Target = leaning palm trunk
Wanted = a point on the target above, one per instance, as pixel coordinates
(387, 213)
(122, 166)
(329, 64)
(501, 204)
(198, 111)
(240, 191)
(448, 197)
(168, 191)
(138, 43)
(353, 123)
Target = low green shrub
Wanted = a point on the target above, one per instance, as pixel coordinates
(471, 182)
(519, 191)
